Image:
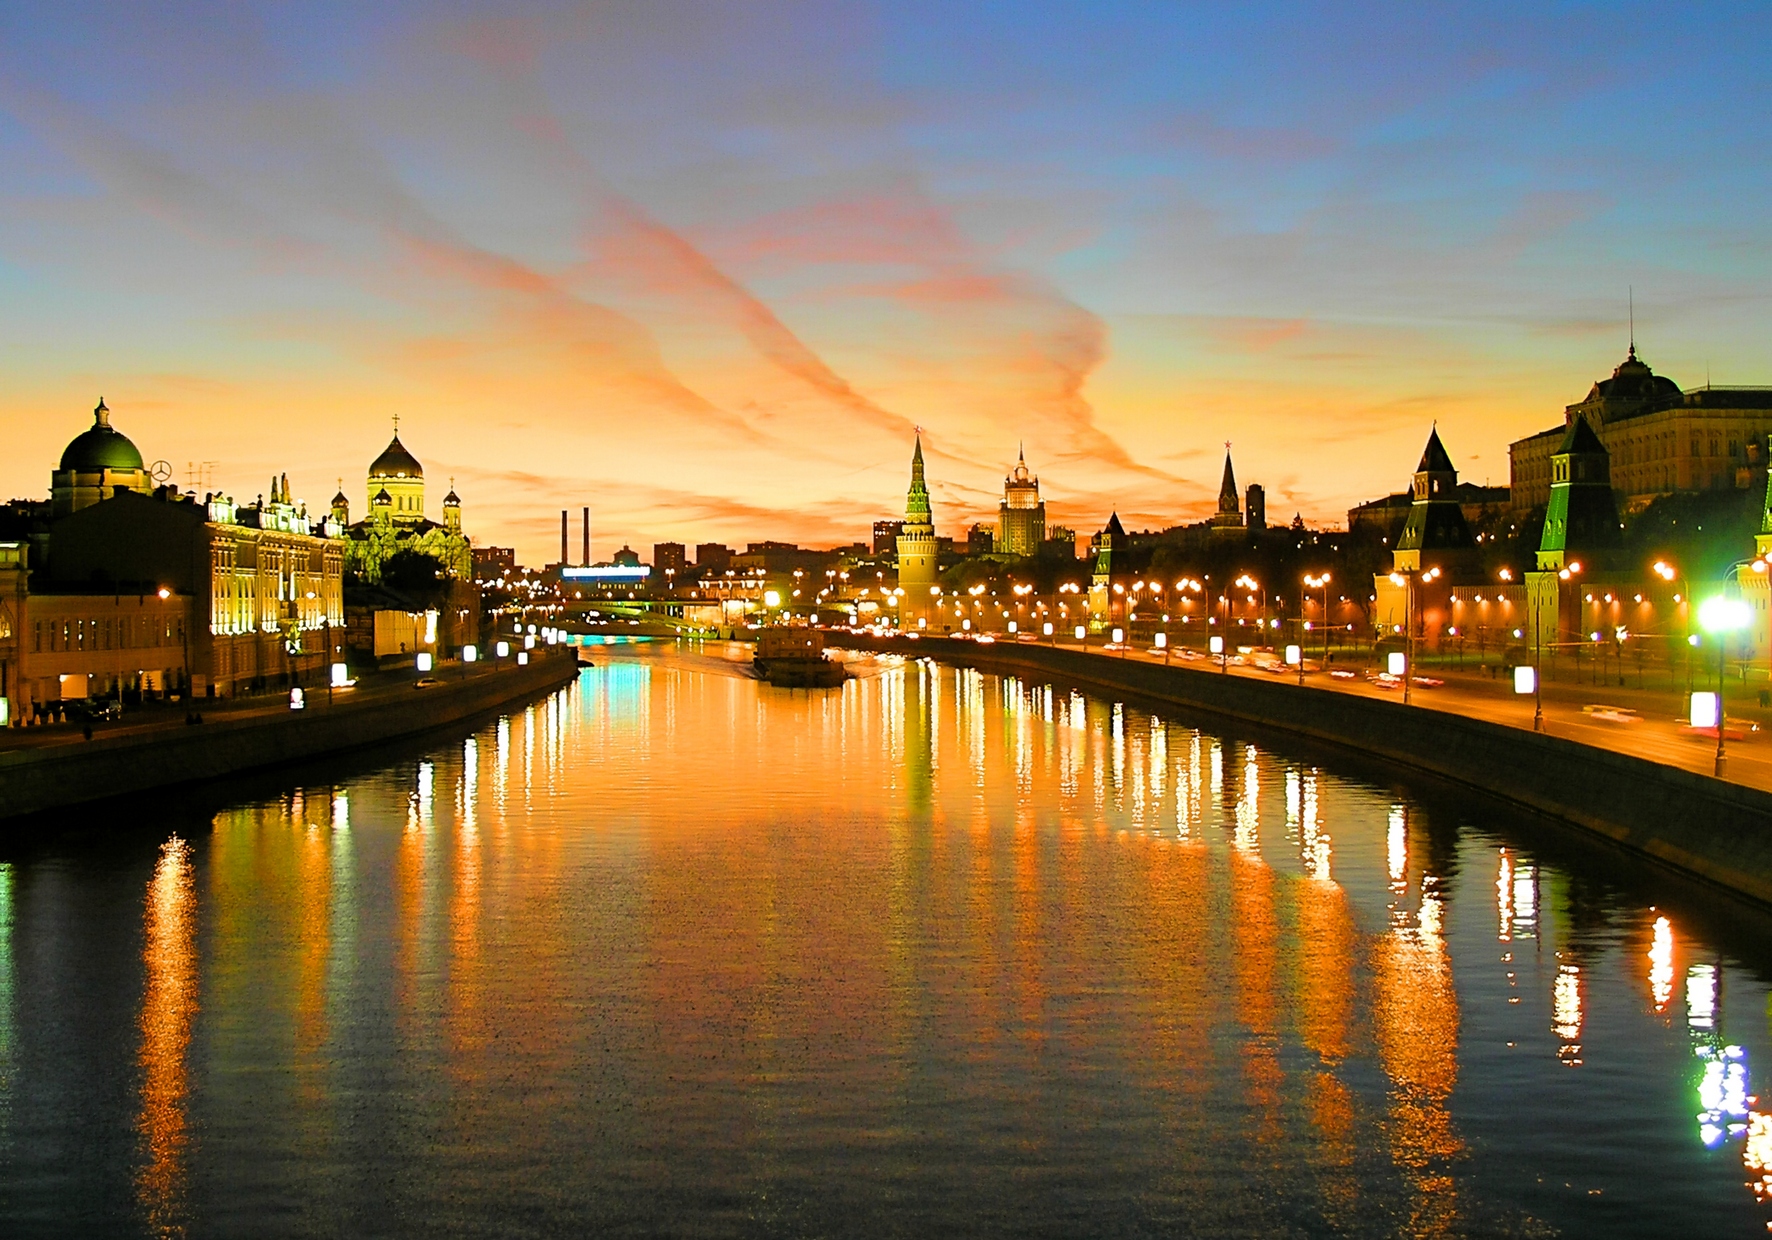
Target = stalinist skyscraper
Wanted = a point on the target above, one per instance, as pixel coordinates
(916, 549)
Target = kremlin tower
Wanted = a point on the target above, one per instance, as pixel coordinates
(916, 549)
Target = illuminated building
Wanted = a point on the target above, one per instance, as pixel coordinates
(268, 580)
(1436, 562)
(916, 548)
(397, 521)
(1107, 585)
(1659, 438)
(1021, 517)
(145, 590)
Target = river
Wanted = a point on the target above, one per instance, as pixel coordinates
(940, 952)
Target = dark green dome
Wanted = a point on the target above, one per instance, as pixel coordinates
(100, 447)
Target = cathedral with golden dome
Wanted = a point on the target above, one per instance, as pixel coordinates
(396, 519)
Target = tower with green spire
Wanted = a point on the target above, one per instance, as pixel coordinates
(1763, 540)
(1435, 533)
(1581, 520)
(916, 548)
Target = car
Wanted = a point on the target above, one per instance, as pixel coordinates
(424, 682)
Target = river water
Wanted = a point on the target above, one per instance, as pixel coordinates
(673, 952)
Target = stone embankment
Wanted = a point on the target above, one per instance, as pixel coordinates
(1710, 829)
(34, 779)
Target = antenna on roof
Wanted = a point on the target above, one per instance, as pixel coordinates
(1632, 303)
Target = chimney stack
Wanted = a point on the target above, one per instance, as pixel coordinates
(587, 524)
(563, 560)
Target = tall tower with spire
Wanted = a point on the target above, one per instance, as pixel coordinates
(916, 549)
(1436, 527)
(1228, 520)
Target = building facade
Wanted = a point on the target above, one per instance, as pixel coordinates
(142, 590)
(1021, 517)
(1659, 439)
(265, 582)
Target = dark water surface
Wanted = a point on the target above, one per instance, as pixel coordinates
(673, 952)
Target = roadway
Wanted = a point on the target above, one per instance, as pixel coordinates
(1645, 723)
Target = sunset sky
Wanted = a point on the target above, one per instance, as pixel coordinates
(703, 266)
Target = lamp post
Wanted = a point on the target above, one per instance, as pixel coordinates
(1720, 617)
(1315, 583)
(1244, 582)
(1409, 579)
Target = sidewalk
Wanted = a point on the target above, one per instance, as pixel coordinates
(170, 716)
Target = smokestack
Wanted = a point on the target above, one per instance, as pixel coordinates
(563, 559)
(587, 524)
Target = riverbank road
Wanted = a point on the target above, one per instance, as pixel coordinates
(317, 699)
(1645, 723)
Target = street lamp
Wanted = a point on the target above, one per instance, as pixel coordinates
(1720, 617)
(1315, 583)
(1408, 580)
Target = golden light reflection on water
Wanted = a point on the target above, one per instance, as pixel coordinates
(671, 919)
(168, 1008)
(1661, 964)
(1415, 1021)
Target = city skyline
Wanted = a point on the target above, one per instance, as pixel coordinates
(705, 272)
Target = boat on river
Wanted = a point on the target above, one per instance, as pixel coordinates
(795, 659)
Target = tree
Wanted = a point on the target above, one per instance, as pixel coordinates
(415, 573)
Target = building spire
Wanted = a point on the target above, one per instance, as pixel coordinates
(916, 504)
(1227, 489)
(101, 416)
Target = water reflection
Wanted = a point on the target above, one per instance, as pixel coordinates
(168, 1007)
(1415, 1020)
(1661, 964)
(679, 952)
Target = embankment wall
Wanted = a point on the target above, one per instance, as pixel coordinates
(33, 780)
(1708, 828)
